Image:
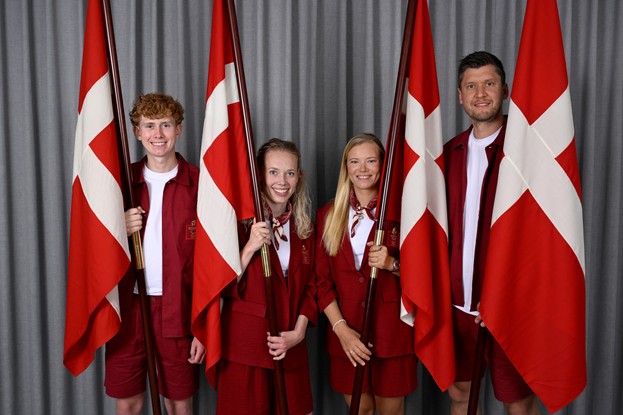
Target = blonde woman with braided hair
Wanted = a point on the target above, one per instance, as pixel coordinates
(344, 255)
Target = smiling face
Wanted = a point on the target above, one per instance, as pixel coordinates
(364, 167)
(281, 175)
(158, 136)
(481, 93)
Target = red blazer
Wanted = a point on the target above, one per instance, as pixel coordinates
(337, 278)
(179, 221)
(455, 162)
(244, 320)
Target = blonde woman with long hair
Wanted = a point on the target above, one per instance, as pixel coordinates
(344, 255)
(245, 373)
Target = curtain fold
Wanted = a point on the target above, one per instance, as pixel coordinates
(318, 72)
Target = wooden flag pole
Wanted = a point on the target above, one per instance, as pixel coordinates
(136, 236)
(280, 385)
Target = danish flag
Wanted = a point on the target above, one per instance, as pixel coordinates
(99, 254)
(225, 192)
(424, 270)
(533, 299)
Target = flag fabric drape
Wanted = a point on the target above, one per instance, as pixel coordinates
(225, 192)
(99, 255)
(533, 299)
(424, 270)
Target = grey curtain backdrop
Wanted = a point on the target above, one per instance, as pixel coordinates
(317, 73)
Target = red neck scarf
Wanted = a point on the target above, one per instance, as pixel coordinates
(354, 203)
(279, 222)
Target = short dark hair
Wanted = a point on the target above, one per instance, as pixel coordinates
(479, 59)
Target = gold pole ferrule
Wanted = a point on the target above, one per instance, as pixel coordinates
(378, 240)
(265, 260)
(138, 250)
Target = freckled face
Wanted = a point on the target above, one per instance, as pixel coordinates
(364, 166)
(158, 136)
(481, 93)
(281, 175)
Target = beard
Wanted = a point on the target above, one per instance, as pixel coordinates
(484, 115)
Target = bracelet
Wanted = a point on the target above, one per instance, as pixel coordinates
(338, 322)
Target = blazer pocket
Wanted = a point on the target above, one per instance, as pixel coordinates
(248, 307)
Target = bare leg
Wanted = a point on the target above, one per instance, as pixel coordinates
(390, 406)
(131, 406)
(459, 394)
(526, 406)
(184, 407)
(366, 404)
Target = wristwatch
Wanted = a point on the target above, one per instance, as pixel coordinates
(396, 265)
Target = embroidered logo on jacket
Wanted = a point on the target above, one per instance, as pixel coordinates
(393, 239)
(191, 230)
(305, 255)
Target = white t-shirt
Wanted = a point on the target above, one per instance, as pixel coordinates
(477, 164)
(152, 240)
(362, 231)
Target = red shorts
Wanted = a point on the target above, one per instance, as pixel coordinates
(243, 389)
(508, 385)
(388, 378)
(126, 360)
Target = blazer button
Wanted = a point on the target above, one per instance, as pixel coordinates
(363, 304)
(361, 280)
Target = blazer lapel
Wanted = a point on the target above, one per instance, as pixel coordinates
(275, 264)
(348, 252)
(295, 251)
